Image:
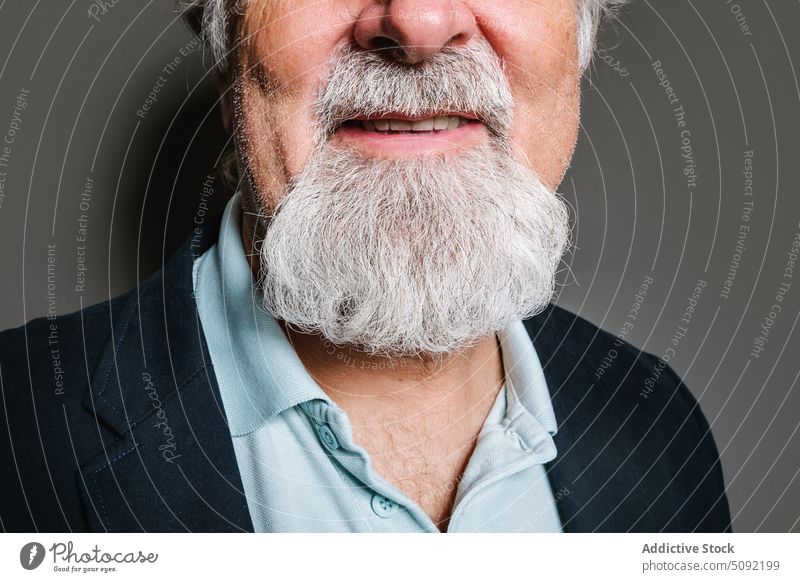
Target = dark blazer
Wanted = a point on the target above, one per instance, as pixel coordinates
(111, 420)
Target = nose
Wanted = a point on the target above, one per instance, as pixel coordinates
(412, 31)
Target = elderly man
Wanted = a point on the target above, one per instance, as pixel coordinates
(363, 342)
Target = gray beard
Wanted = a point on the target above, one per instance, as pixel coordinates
(412, 256)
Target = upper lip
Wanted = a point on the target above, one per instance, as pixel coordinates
(404, 117)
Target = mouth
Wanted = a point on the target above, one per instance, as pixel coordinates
(401, 124)
(395, 135)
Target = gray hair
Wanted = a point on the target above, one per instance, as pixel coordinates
(214, 17)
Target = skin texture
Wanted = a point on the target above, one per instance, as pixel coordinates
(417, 417)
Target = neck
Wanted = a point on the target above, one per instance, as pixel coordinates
(356, 380)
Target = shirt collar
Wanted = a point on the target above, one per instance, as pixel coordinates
(526, 384)
(258, 371)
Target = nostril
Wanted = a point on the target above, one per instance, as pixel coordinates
(389, 48)
(457, 39)
(384, 43)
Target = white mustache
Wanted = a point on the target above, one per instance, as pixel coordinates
(463, 79)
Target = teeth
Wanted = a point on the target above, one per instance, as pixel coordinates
(441, 123)
(423, 125)
(430, 124)
(400, 125)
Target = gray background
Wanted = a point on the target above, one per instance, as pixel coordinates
(636, 215)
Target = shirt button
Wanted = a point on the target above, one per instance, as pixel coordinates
(382, 506)
(327, 437)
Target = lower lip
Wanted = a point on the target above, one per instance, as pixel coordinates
(403, 144)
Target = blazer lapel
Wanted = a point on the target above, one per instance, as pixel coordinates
(171, 466)
(596, 426)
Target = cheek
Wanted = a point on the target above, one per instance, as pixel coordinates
(283, 56)
(254, 138)
(539, 51)
(291, 41)
(546, 128)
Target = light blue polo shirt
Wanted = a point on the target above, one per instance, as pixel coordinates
(301, 469)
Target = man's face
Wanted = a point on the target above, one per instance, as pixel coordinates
(402, 156)
(286, 46)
